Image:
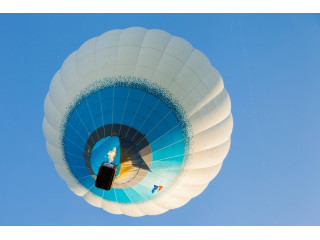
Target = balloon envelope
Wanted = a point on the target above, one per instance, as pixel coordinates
(148, 102)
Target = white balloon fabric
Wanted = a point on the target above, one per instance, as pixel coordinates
(153, 103)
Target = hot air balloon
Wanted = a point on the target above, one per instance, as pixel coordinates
(146, 103)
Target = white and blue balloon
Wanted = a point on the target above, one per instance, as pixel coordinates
(148, 102)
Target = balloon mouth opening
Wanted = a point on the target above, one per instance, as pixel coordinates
(106, 150)
(127, 149)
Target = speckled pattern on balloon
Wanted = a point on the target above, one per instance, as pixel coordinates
(141, 84)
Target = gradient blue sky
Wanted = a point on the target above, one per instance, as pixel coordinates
(270, 64)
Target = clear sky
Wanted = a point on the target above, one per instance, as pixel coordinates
(270, 64)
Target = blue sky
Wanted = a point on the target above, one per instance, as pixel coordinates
(270, 64)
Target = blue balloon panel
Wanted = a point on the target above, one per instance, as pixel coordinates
(153, 117)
